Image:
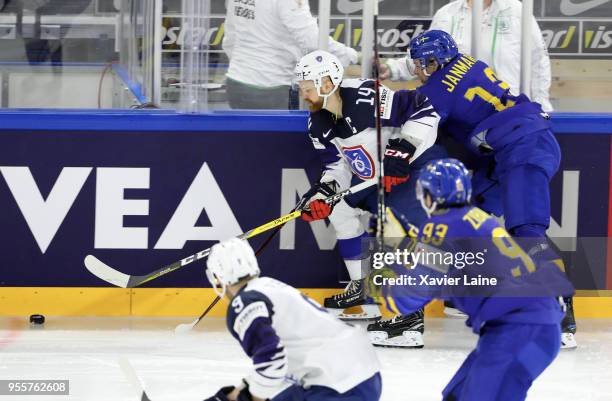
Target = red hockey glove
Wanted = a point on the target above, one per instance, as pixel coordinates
(318, 210)
(312, 203)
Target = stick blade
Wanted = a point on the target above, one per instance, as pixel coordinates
(184, 327)
(105, 272)
(133, 379)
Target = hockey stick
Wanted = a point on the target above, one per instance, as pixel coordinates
(114, 276)
(130, 373)
(381, 215)
(185, 327)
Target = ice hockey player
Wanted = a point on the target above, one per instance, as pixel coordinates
(299, 350)
(342, 128)
(510, 132)
(517, 317)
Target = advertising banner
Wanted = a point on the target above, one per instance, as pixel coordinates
(580, 202)
(140, 201)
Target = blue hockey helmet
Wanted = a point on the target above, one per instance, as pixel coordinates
(435, 44)
(448, 183)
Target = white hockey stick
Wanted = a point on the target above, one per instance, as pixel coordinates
(114, 276)
(133, 379)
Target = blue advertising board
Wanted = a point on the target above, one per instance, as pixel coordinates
(145, 196)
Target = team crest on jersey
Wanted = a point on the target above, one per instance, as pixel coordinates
(360, 160)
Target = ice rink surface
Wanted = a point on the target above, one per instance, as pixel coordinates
(195, 365)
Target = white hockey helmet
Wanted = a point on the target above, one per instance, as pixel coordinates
(229, 262)
(318, 64)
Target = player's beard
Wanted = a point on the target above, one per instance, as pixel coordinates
(313, 107)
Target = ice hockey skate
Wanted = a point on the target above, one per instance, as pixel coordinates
(568, 326)
(353, 304)
(399, 332)
(451, 311)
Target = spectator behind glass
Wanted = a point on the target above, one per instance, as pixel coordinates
(264, 40)
(501, 45)
(30, 46)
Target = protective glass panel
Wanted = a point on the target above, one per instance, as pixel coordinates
(175, 53)
(575, 40)
(57, 53)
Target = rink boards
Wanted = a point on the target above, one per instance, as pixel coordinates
(143, 189)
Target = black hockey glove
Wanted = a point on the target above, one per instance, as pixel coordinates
(222, 394)
(314, 201)
(397, 162)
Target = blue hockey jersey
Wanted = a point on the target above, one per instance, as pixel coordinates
(476, 107)
(467, 257)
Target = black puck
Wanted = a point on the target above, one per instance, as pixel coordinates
(37, 319)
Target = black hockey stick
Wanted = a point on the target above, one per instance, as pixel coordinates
(381, 215)
(185, 327)
(114, 276)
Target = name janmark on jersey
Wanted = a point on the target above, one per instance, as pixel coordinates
(457, 71)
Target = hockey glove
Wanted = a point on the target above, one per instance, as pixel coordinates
(313, 202)
(222, 395)
(397, 162)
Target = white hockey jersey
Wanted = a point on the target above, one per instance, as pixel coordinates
(293, 340)
(501, 45)
(348, 147)
(265, 39)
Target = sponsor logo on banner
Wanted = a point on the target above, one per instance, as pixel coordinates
(44, 216)
(360, 161)
(351, 6)
(178, 35)
(561, 36)
(386, 7)
(576, 7)
(597, 37)
(393, 35)
(64, 196)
